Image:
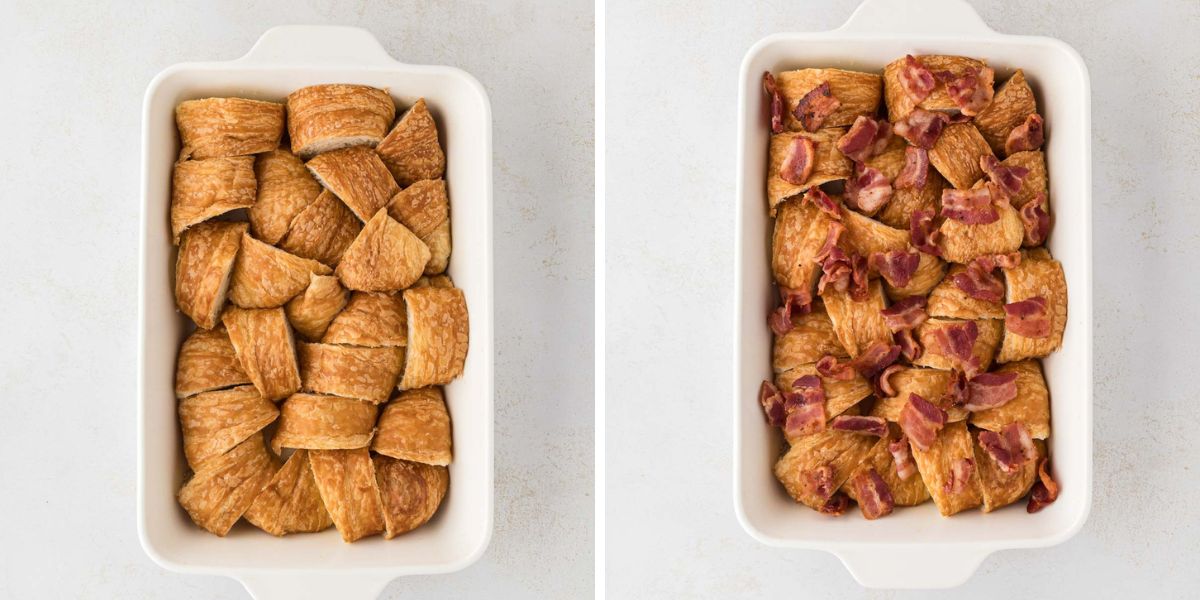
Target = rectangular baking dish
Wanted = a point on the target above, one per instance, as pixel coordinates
(916, 547)
(317, 565)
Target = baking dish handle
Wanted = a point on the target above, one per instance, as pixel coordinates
(912, 17)
(300, 585)
(317, 45)
(914, 567)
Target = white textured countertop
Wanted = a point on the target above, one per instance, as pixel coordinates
(75, 73)
(671, 529)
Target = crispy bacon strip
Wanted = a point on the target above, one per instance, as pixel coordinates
(905, 314)
(865, 138)
(1008, 179)
(1036, 220)
(957, 342)
(822, 201)
(877, 357)
(978, 282)
(815, 107)
(868, 189)
(921, 127)
(910, 348)
(921, 421)
(830, 367)
(896, 266)
(772, 404)
(832, 236)
(874, 497)
(1011, 448)
(805, 407)
(915, 172)
(973, 206)
(836, 505)
(1045, 490)
(776, 100)
(990, 390)
(902, 457)
(876, 426)
(924, 232)
(957, 390)
(916, 80)
(972, 92)
(836, 271)
(792, 302)
(1029, 135)
(883, 384)
(820, 480)
(798, 164)
(1029, 317)
(960, 475)
(859, 285)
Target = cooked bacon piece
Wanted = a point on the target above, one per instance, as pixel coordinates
(989, 262)
(1045, 490)
(915, 172)
(836, 271)
(792, 302)
(910, 348)
(772, 92)
(1028, 317)
(921, 127)
(874, 497)
(820, 480)
(990, 390)
(1029, 135)
(977, 281)
(957, 342)
(960, 475)
(905, 314)
(902, 456)
(822, 201)
(1008, 179)
(896, 266)
(1011, 448)
(832, 237)
(972, 92)
(830, 367)
(772, 403)
(805, 407)
(973, 206)
(957, 390)
(916, 80)
(924, 232)
(815, 107)
(868, 189)
(883, 384)
(876, 426)
(866, 138)
(798, 164)
(877, 357)
(837, 505)
(921, 420)
(1036, 220)
(959, 118)
(859, 286)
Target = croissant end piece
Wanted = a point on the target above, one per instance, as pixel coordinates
(411, 493)
(411, 150)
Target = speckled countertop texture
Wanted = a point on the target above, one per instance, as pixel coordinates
(76, 73)
(671, 110)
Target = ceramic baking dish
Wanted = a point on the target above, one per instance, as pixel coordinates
(317, 565)
(915, 547)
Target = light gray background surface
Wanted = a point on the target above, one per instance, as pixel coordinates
(671, 530)
(75, 73)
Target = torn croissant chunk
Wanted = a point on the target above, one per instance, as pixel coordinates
(312, 311)
(218, 127)
(346, 481)
(411, 492)
(207, 362)
(385, 257)
(358, 177)
(424, 208)
(437, 336)
(322, 231)
(285, 188)
(265, 276)
(214, 422)
(415, 426)
(411, 150)
(224, 487)
(338, 115)
(204, 269)
(203, 189)
(317, 422)
(262, 340)
(368, 374)
(290, 502)
(371, 319)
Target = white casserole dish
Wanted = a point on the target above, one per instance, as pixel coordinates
(916, 547)
(317, 565)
